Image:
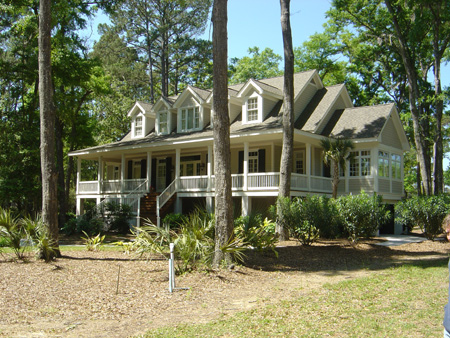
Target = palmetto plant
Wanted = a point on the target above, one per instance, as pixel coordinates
(13, 232)
(336, 151)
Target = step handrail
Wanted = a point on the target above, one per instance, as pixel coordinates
(165, 196)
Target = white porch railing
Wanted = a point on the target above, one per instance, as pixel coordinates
(162, 198)
(237, 182)
(299, 182)
(112, 186)
(193, 183)
(88, 187)
(262, 181)
(321, 184)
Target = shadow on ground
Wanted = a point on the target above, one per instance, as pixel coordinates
(336, 258)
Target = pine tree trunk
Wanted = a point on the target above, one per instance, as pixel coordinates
(47, 124)
(288, 113)
(222, 154)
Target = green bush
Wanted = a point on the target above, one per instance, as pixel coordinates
(306, 233)
(427, 212)
(13, 233)
(321, 214)
(259, 234)
(117, 217)
(361, 215)
(173, 221)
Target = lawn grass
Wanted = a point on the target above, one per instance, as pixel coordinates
(405, 301)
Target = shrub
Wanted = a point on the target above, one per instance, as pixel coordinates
(361, 214)
(261, 236)
(117, 217)
(45, 247)
(306, 233)
(321, 214)
(13, 233)
(173, 221)
(93, 243)
(426, 211)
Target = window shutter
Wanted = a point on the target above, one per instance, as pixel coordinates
(130, 169)
(153, 176)
(143, 168)
(168, 170)
(262, 160)
(241, 162)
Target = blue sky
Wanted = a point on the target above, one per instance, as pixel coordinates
(257, 23)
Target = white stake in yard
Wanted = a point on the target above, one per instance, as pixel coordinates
(172, 270)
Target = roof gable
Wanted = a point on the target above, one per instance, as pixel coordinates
(141, 107)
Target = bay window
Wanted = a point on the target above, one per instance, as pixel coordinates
(360, 163)
(383, 164)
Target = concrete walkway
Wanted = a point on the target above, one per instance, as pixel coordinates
(394, 240)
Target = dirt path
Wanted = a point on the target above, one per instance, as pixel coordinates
(77, 296)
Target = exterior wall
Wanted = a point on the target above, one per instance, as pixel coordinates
(356, 184)
(390, 137)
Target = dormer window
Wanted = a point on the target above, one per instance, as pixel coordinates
(163, 126)
(138, 126)
(190, 119)
(252, 109)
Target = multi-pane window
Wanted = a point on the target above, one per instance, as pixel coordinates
(365, 162)
(190, 119)
(396, 164)
(354, 163)
(252, 109)
(253, 161)
(299, 162)
(116, 173)
(383, 164)
(163, 129)
(360, 163)
(138, 126)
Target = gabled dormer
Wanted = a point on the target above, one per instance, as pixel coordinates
(165, 116)
(142, 119)
(193, 112)
(258, 100)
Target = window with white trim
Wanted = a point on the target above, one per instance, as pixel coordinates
(396, 165)
(383, 164)
(163, 127)
(252, 109)
(190, 119)
(116, 173)
(138, 126)
(253, 161)
(299, 162)
(360, 163)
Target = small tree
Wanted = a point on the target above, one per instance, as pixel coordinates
(336, 151)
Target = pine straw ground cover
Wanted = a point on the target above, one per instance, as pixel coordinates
(78, 295)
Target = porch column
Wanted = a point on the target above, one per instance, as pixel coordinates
(122, 174)
(374, 169)
(272, 156)
(100, 174)
(246, 205)
(209, 204)
(209, 170)
(78, 174)
(308, 166)
(245, 187)
(80, 207)
(149, 170)
(177, 167)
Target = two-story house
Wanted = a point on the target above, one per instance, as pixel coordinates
(167, 157)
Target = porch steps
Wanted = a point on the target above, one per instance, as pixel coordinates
(148, 207)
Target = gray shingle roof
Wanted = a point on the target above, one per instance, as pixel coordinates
(361, 122)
